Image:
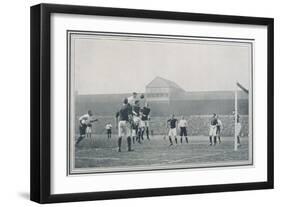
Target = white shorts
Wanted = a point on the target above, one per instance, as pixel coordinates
(213, 131)
(136, 119)
(88, 130)
(238, 129)
(173, 132)
(134, 133)
(124, 129)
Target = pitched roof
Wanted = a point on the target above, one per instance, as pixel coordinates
(159, 82)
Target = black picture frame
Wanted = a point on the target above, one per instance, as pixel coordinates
(41, 102)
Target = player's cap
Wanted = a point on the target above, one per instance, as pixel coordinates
(135, 93)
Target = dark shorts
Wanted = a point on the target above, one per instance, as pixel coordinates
(218, 131)
(108, 131)
(183, 131)
(82, 129)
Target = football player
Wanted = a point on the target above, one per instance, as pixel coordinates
(132, 99)
(85, 121)
(123, 120)
(145, 119)
(183, 128)
(219, 129)
(136, 122)
(213, 129)
(172, 125)
(108, 128)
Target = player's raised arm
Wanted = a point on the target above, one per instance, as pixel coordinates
(167, 123)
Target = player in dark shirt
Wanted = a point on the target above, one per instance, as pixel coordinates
(172, 125)
(213, 129)
(219, 129)
(123, 120)
(145, 119)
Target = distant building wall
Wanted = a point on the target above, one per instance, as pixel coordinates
(198, 107)
(157, 94)
(178, 107)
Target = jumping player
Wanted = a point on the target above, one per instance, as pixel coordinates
(123, 119)
(183, 128)
(85, 121)
(172, 125)
(132, 99)
(219, 129)
(213, 129)
(108, 128)
(136, 121)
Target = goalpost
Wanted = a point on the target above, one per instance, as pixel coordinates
(236, 112)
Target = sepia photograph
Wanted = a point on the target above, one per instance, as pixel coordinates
(133, 103)
(139, 102)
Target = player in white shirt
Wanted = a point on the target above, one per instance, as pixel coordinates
(183, 128)
(132, 99)
(85, 121)
(108, 128)
(213, 129)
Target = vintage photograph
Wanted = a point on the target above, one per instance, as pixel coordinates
(158, 102)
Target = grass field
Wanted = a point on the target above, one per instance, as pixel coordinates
(100, 152)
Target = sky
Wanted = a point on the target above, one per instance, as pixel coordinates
(106, 65)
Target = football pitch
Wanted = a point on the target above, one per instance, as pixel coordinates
(100, 152)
